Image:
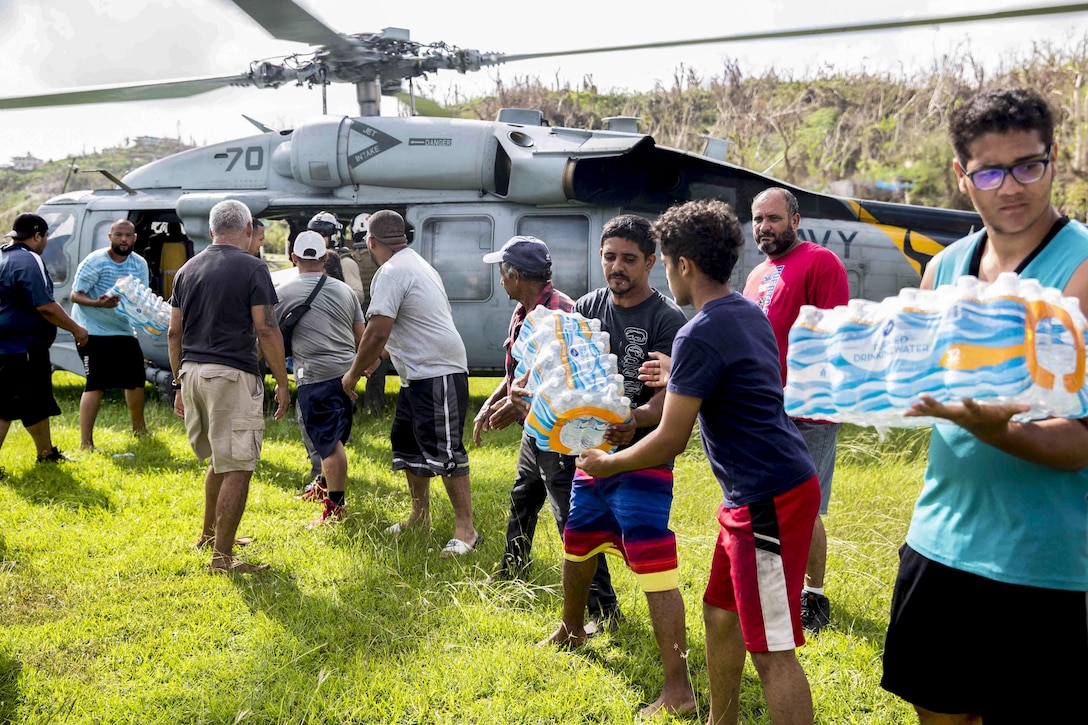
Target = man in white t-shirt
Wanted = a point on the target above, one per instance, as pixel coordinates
(410, 317)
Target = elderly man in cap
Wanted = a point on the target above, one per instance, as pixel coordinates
(525, 272)
(323, 346)
(410, 316)
(29, 318)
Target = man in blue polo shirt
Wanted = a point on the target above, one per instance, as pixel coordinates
(29, 318)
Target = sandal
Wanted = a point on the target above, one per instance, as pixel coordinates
(456, 547)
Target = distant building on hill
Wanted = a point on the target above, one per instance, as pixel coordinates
(146, 140)
(26, 163)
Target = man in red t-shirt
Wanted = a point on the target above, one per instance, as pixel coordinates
(796, 273)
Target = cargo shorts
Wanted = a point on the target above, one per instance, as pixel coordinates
(224, 415)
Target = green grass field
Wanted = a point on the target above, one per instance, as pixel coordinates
(107, 614)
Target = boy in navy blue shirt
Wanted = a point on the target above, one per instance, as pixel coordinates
(725, 371)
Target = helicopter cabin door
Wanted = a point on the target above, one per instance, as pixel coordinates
(454, 243)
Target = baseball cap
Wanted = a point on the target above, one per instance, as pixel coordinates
(309, 245)
(527, 254)
(26, 226)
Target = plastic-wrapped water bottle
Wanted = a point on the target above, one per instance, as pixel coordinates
(572, 373)
(144, 310)
(1012, 341)
(809, 373)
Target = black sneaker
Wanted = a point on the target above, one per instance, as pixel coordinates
(53, 456)
(815, 612)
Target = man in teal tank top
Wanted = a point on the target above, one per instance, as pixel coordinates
(989, 617)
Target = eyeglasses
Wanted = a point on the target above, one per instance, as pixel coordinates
(989, 178)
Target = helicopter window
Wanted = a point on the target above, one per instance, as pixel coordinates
(101, 235)
(455, 247)
(61, 225)
(567, 238)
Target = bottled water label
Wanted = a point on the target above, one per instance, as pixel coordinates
(1012, 341)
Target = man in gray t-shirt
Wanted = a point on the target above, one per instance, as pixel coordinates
(323, 346)
(410, 316)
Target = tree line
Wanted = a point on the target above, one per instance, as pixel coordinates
(817, 132)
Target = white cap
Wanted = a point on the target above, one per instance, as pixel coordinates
(360, 224)
(310, 245)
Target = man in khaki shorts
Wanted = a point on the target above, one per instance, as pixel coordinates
(223, 307)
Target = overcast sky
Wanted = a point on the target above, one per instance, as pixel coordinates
(54, 44)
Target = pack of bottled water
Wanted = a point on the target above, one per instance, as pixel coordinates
(144, 310)
(577, 392)
(1009, 341)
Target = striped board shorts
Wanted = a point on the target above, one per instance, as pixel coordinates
(626, 515)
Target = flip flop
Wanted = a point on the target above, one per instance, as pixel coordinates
(456, 547)
(237, 566)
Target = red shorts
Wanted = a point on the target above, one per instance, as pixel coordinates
(759, 566)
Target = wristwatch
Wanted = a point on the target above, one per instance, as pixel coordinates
(175, 385)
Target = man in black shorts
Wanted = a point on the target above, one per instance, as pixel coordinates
(112, 357)
(989, 617)
(29, 318)
(410, 316)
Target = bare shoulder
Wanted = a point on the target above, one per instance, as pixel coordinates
(1078, 286)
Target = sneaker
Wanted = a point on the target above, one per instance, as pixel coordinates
(511, 568)
(53, 456)
(331, 514)
(815, 611)
(315, 491)
(606, 622)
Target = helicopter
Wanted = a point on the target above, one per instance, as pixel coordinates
(463, 186)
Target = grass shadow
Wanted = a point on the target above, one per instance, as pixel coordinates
(10, 670)
(859, 625)
(54, 484)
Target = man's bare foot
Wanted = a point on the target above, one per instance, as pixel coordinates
(679, 705)
(205, 542)
(565, 637)
(224, 565)
(140, 432)
(87, 447)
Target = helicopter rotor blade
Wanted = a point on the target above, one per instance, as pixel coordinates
(179, 88)
(390, 56)
(806, 32)
(286, 20)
